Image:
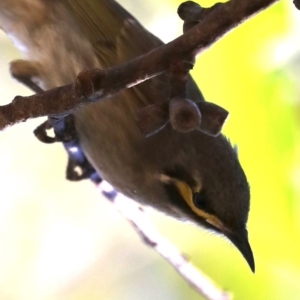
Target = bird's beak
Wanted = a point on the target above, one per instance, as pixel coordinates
(240, 240)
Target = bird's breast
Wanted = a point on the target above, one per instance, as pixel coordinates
(113, 143)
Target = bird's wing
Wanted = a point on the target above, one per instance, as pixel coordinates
(114, 33)
(117, 37)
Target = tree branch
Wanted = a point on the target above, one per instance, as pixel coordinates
(134, 214)
(95, 85)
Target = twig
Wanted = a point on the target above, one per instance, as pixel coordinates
(99, 84)
(136, 216)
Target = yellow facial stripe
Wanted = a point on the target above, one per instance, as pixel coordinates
(184, 190)
(187, 194)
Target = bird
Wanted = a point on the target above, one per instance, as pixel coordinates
(191, 176)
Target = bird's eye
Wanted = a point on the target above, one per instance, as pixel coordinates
(199, 200)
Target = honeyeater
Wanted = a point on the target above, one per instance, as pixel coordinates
(191, 176)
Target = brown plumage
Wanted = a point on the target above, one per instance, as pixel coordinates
(191, 176)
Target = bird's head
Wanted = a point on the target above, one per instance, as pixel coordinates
(208, 187)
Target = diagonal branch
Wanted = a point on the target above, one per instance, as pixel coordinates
(98, 84)
(135, 215)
